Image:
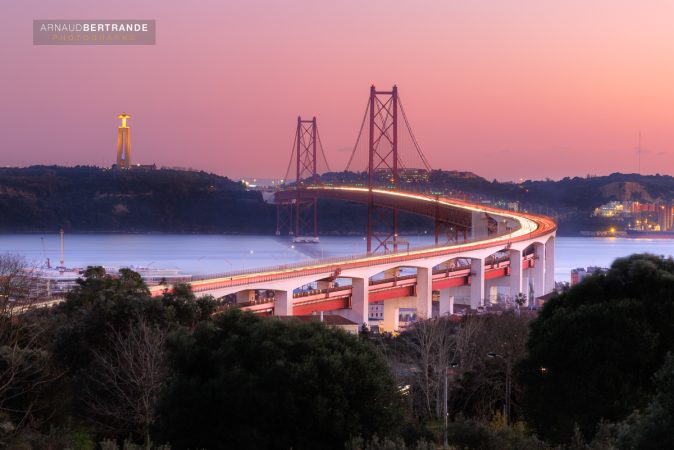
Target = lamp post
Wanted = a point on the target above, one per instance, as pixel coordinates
(448, 370)
(508, 384)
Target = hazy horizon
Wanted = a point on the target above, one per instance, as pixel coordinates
(522, 89)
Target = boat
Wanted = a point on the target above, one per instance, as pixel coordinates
(60, 280)
(57, 281)
(649, 234)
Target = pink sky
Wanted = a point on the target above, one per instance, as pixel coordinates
(506, 89)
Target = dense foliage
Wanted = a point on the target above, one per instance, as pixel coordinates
(111, 362)
(594, 370)
(94, 199)
(594, 349)
(270, 384)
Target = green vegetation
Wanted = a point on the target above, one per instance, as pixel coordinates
(113, 363)
(275, 385)
(90, 199)
(113, 368)
(594, 349)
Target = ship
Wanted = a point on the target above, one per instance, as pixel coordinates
(57, 281)
(649, 234)
(61, 280)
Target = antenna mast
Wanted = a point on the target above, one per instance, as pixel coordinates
(61, 266)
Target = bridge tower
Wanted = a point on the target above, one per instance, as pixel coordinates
(300, 214)
(383, 165)
(306, 223)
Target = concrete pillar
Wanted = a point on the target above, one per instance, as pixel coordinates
(391, 320)
(479, 225)
(392, 307)
(446, 302)
(323, 284)
(550, 265)
(492, 293)
(502, 225)
(360, 306)
(245, 296)
(392, 273)
(539, 271)
(476, 283)
(516, 274)
(505, 225)
(283, 303)
(424, 293)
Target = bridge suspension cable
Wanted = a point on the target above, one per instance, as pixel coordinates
(427, 166)
(360, 133)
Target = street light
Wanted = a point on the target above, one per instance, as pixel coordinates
(508, 386)
(448, 369)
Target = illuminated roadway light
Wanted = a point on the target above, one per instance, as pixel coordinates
(528, 225)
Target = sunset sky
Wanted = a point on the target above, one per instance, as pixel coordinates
(506, 89)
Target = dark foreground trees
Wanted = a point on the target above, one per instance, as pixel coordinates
(594, 349)
(247, 382)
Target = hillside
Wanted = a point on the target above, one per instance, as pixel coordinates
(91, 199)
(85, 199)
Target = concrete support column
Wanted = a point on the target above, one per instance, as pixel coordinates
(479, 225)
(391, 320)
(539, 271)
(424, 293)
(392, 309)
(283, 303)
(360, 306)
(245, 296)
(446, 302)
(322, 284)
(502, 225)
(550, 265)
(391, 273)
(476, 283)
(516, 274)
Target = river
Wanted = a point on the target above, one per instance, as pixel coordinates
(202, 254)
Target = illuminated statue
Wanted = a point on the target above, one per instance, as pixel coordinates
(123, 143)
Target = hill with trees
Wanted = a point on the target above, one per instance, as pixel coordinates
(91, 199)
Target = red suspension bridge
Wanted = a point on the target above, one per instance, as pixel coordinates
(477, 248)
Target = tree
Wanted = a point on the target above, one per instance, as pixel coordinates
(125, 378)
(652, 428)
(25, 363)
(485, 386)
(430, 347)
(109, 342)
(243, 381)
(593, 349)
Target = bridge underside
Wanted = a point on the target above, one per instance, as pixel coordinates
(444, 213)
(514, 258)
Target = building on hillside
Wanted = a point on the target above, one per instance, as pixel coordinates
(577, 275)
(329, 320)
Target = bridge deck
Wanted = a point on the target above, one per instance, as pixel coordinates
(529, 226)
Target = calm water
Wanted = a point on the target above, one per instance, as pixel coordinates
(199, 254)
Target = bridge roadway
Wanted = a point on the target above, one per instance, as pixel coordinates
(519, 273)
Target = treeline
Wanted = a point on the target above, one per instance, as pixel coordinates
(593, 371)
(112, 364)
(90, 199)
